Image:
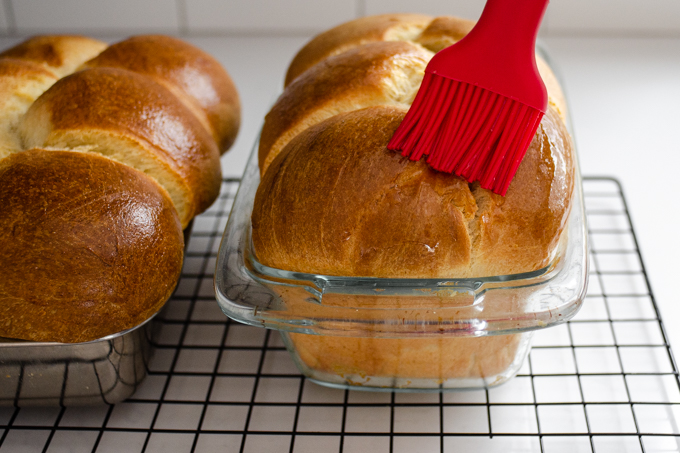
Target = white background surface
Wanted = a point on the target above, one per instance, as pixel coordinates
(620, 60)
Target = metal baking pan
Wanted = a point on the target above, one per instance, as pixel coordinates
(107, 370)
(103, 371)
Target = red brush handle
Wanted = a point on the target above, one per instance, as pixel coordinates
(499, 53)
(511, 24)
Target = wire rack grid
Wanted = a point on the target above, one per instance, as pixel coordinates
(604, 382)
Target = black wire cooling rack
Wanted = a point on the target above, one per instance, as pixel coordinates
(604, 382)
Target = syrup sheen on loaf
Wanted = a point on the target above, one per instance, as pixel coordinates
(334, 200)
(106, 154)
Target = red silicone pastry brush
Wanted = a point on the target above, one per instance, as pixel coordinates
(481, 99)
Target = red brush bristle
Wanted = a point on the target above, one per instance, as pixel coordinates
(470, 131)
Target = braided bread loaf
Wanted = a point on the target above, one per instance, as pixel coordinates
(348, 91)
(333, 200)
(106, 154)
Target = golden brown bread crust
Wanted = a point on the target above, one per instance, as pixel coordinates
(13, 67)
(194, 76)
(379, 73)
(444, 31)
(520, 232)
(386, 27)
(135, 120)
(21, 82)
(356, 73)
(90, 247)
(60, 54)
(30, 68)
(337, 202)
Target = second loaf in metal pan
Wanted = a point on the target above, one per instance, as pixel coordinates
(106, 154)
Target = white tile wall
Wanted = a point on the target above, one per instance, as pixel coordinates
(470, 9)
(614, 16)
(268, 15)
(95, 15)
(303, 17)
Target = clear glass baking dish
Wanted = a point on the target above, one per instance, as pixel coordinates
(403, 334)
(399, 333)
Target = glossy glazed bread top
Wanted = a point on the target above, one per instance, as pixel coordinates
(337, 202)
(153, 102)
(387, 27)
(21, 84)
(379, 73)
(150, 120)
(30, 68)
(371, 61)
(60, 54)
(334, 200)
(90, 247)
(195, 77)
(134, 120)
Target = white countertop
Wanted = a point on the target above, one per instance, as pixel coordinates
(624, 96)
